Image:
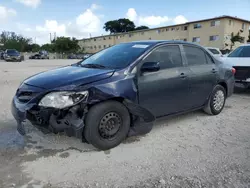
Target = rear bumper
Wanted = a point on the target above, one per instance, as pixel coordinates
(49, 120)
(12, 58)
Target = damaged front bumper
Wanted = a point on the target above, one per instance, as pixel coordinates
(50, 120)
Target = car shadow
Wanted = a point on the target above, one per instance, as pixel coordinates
(242, 91)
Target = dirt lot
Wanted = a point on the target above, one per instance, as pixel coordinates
(192, 150)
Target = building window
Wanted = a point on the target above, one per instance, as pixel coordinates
(110, 45)
(95, 47)
(142, 33)
(230, 22)
(172, 29)
(167, 29)
(130, 35)
(215, 23)
(104, 38)
(104, 46)
(158, 31)
(185, 40)
(197, 26)
(91, 47)
(177, 28)
(185, 28)
(196, 39)
(100, 46)
(109, 37)
(243, 26)
(214, 38)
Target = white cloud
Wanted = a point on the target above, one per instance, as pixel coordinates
(131, 14)
(52, 26)
(180, 19)
(30, 3)
(88, 21)
(153, 20)
(6, 13)
(85, 24)
(95, 7)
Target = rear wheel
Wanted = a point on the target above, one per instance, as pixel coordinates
(107, 125)
(216, 101)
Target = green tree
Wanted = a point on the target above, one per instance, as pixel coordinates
(141, 27)
(119, 26)
(248, 37)
(48, 47)
(32, 48)
(235, 38)
(11, 40)
(66, 45)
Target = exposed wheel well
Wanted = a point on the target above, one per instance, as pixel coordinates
(223, 84)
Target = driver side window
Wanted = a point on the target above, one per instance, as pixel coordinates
(168, 57)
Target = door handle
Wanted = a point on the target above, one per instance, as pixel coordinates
(214, 71)
(182, 75)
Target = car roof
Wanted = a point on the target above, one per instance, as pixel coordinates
(212, 48)
(245, 44)
(155, 42)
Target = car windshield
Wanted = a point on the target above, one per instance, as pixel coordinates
(242, 51)
(214, 51)
(118, 56)
(12, 52)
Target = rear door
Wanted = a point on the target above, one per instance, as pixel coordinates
(204, 74)
(165, 91)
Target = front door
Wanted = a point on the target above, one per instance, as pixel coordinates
(166, 90)
(204, 74)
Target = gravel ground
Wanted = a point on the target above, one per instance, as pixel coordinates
(192, 150)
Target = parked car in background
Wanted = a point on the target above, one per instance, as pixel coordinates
(1, 54)
(79, 56)
(72, 56)
(240, 60)
(215, 51)
(40, 55)
(86, 56)
(121, 90)
(13, 55)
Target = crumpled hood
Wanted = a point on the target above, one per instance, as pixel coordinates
(235, 61)
(69, 75)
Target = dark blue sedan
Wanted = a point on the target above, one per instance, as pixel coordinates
(120, 91)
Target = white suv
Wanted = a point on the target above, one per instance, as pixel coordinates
(215, 51)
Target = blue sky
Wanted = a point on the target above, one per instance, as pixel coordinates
(80, 18)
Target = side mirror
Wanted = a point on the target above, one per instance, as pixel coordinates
(150, 67)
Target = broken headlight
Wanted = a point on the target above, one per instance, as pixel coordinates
(63, 99)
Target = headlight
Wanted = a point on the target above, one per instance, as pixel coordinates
(63, 99)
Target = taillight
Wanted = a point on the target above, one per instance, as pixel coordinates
(233, 71)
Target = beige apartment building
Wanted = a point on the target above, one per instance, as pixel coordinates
(213, 32)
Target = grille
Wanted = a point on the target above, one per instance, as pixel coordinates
(242, 73)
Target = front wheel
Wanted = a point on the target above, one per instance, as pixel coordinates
(216, 101)
(107, 125)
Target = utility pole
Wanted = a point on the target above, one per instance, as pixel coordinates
(50, 37)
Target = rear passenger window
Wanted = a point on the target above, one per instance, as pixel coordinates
(167, 56)
(195, 56)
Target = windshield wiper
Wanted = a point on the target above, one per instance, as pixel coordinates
(95, 66)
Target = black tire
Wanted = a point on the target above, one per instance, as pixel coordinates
(211, 107)
(92, 131)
